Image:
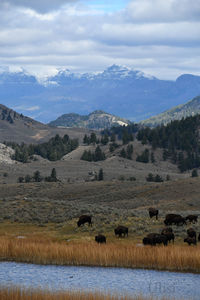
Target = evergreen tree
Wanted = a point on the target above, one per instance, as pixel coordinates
(129, 151)
(37, 177)
(53, 175)
(144, 157)
(150, 177)
(123, 153)
(20, 179)
(152, 158)
(104, 139)
(93, 138)
(27, 178)
(100, 175)
(194, 173)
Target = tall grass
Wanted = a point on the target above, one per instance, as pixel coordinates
(20, 294)
(174, 257)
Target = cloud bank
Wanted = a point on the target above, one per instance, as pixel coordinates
(155, 36)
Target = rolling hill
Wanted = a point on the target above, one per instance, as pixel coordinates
(15, 127)
(191, 108)
(95, 120)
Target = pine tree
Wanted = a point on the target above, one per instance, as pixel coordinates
(37, 177)
(100, 175)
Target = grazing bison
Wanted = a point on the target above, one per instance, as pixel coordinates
(191, 233)
(169, 219)
(100, 239)
(84, 219)
(170, 236)
(155, 238)
(161, 239)
(178, 221)
(153, 212)
(191, 218)
(148, 241)
(167, 230)
(121, 230)
(175, 219)
(190, 241)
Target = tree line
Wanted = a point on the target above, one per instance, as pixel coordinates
(52, 150)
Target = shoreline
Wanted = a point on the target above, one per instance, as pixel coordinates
(100, 266)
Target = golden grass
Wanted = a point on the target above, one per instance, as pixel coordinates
(20, 294)
(39, 251)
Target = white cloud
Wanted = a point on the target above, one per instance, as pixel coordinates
(156, 36)
(38, 5)
(164, 11)
(25, 108)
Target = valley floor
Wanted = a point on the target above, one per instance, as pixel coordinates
(39, 223)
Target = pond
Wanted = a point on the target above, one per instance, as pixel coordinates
(110, 280)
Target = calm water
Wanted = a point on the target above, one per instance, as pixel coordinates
(112, 280)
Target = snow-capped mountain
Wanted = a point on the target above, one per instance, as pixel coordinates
(119, 90)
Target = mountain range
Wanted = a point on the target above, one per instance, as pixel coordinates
(121, 91)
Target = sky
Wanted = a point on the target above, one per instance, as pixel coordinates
(158, 37)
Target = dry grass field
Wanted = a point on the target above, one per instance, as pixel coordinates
(128, 255)
(18, 294)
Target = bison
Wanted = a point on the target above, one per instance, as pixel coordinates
(191, 233)
(100, 239)
(190, 241)
(148, 241)
(178, 221)
(175, 219)
(121, 230)
(84, 219)
(191, 218)
(170, 236)
(153, 212)
(161, 239)
(155, 238)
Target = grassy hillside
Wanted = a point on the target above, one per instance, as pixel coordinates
(176, 113)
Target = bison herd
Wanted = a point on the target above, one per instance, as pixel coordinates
(167, 235)
(164, 237)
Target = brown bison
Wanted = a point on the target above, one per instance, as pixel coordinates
(179, 221)
(148, 241)
(190, 241)
(84, 219)
(121, 230)
(191, 218)
(155, 238)
(153, 212)
(170, 236)
(100, 239)
(175, 219)
(192, 233)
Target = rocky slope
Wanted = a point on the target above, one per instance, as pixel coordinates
(5, 154)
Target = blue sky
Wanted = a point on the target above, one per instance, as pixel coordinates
(107, 6)
(158, 37)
